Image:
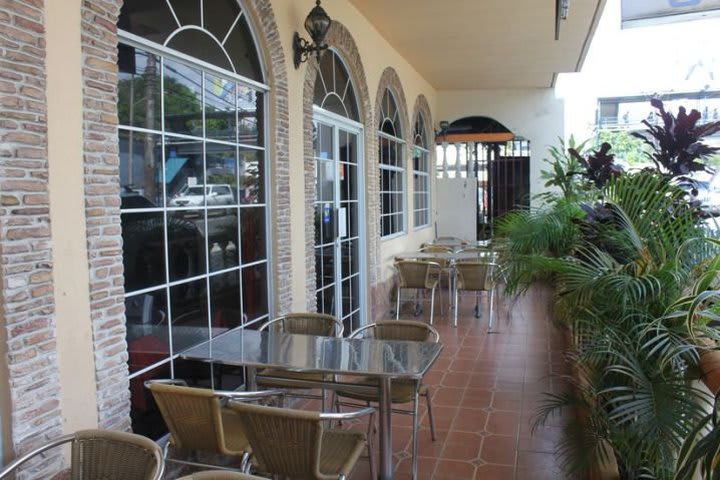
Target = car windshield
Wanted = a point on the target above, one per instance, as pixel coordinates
(193, 191)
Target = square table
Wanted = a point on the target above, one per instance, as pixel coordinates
(382, 359)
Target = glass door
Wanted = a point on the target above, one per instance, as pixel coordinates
(338, 209)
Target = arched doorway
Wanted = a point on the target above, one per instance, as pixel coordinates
(339, 209)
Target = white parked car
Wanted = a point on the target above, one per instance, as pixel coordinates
(192, 196)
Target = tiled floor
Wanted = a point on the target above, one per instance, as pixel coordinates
(486, 390)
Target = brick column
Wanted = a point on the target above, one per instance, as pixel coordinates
(25, 250)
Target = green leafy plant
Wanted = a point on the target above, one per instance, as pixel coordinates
(700, 454)
(565, 172)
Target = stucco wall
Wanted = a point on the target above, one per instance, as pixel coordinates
(535, 114)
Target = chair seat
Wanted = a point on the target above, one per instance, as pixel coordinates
(264, 379)
(340, 450)
(401, 390)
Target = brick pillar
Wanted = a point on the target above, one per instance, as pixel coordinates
(25, 248)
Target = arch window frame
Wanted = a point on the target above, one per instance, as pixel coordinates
(422, 194)
(259, 152)
(393, 182)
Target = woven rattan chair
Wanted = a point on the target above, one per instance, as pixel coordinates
(295, 444)
(200, 422)
(318, 324)
(402, 391)
(97, 454)
(476, 276)
(220, 475)
(417, 275)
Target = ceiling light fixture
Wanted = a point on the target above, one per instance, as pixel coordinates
(317, 25)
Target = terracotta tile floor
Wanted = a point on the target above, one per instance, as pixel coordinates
(486, 391)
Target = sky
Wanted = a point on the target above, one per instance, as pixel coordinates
(677, 57)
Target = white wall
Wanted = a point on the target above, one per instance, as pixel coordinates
(534, 114)
(456, 207)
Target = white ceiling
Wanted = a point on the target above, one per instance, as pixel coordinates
(474, 44)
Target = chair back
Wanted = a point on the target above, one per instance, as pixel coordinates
(284, 442)
(117, 455)
(417, 273)
(319, 324)
(193, 416)
(475, 275)
(407, 330)
(434, 248)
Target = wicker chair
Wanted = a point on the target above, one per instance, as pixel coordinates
(295, 444)
(220, 475)
(199, 421)
(402, 391)
(417, 275)
(477, 276)
(318, 324)
(99, 454)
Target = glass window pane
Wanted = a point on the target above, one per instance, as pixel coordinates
(188, 308)
(225, 302)
(198, 44)
(151, 20)
(184, 172)
(182, 99)
(241, 49)
(220, 16)
(145, 416)
(220, 111)
(143, 250)
(252, 176)
(148, 335)
(255, 293)
(140, 170)
(221, 163)
(253, 234)
(250, 108)
(138, 88)
(186, 244)
(187, 11)
(222, 238)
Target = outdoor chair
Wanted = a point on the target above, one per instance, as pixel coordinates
(401, 391)
(96, 454)
(318, 324)
(476, 276)
(417, 275)
(295, 444)
(220, 475)
(200, 422)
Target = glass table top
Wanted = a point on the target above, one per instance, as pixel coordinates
(308, 353)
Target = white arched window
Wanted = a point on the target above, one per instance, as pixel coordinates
(392, 168)
(421, 175)
(192, 109)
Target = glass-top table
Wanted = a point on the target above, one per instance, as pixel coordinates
(383, 359)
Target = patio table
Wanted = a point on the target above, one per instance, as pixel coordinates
(382, 359)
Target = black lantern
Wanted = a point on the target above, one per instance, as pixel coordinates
(317, 24)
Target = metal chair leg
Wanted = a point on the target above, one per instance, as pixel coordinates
(415, 437)
(432, 305)
(397, 307)
(430, 414)
(491, 292)
(457, 307)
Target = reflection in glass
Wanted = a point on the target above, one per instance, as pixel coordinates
(250, 107)
(223, 239)
(138, 88)
(252, 176)
(186, 244)
(183, 170)
(220, 121)
(140, 170)
(253, 234)
(145, 417)
(350, 255)
(188, 304)
(182, 99)
(225, 301)
(221, 163)
(255, 294)
(147, 329)
(143, 249)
